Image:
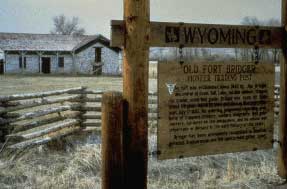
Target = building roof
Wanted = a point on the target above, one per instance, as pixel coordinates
(48, 42)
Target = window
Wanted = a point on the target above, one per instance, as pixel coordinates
(22, 64)
(98, 54)
(61, 62)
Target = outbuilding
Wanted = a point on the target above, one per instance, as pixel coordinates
(59, 54)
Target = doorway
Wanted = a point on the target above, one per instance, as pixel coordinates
(1, 67)
(46, 65)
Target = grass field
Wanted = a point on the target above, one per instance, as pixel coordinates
(12, 84)
(80, 165)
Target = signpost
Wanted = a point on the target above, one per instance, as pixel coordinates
(204, 108)
(282, 152)
(212, 108)
(135, 85)
(164, 34)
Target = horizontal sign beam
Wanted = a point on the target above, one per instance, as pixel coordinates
(164, 34)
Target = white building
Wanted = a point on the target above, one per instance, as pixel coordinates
(58, 54)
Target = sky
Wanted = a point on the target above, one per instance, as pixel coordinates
(35, 16)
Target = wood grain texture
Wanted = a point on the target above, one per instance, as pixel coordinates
(164, 34)
(212, 108)
(112, 143)
(45, 139)
(40, 95)
(39, 102)
(44, 131)
(282, 152)
(135, 86)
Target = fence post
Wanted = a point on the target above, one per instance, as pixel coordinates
(82, 105)
(112, 141)
(282, 151)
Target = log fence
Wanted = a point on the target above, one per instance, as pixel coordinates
(28, 120)
(38, 118)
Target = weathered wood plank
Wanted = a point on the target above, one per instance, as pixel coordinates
(96, 99)
(44, 131)
(87, 91)
(91, 130)
(43, 140)
(82, 104)
(96, 123)
(40, 102)
(112, 143)
(164, 34)
(214, 107)
(39, 113)
(282, 151)
(92, 116)
(33, 124)
(91, 108)
(39, 95)
(135, 91)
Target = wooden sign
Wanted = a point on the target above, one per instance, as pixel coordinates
(165, 34)
(211, 108)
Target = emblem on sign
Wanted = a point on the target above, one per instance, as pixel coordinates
(170, 87)
(265, 36)
(172, 34)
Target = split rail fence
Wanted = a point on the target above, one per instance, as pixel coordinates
(27, 120)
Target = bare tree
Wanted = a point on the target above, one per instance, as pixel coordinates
(264, 54)
(251, 21)
(65, 26)
(274, 52)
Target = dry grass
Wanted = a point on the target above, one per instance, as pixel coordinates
(80, 165)
(13, 84)
(211, 172)
(236, 170)
(40, 168)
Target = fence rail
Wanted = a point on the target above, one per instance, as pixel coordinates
(37, 118)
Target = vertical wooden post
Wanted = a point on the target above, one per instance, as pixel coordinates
(282, 152)
(135, 85)
(112, 143)
(83, 103)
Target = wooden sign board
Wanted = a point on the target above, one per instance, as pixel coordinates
(165, 34)
(211, 108)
